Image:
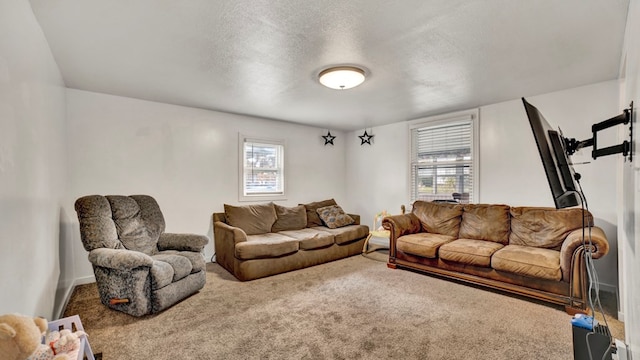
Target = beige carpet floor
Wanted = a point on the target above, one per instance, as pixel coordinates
(354, 308)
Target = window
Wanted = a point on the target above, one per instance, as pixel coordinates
(261, 169)
(443, 158)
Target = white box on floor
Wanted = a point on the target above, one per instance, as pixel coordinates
(73, 323)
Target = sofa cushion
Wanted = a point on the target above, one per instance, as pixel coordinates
(334, 217)
(253, 219)
(544, 227)
(438, 218)
(310, 238)
(422, 244)
(347, 233)
(312, 215)
(485, 222)
(528, 261)
(180, 264)
(468, 251)
(267, 245)
(289, 218)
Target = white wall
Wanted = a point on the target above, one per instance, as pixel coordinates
(510, 167)
(32, 164)
(184, 157)
(629, 219)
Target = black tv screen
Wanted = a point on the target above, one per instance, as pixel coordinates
(555, 160)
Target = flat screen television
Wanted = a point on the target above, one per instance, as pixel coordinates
(557, 164)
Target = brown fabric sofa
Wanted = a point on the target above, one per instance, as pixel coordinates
(260, 240)
(532, 251)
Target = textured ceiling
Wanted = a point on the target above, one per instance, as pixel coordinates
(262, 57)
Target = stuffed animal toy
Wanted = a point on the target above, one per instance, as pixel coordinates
(21, 339)
(65, 342)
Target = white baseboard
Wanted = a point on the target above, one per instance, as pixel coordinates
(608, 288)
(69, 291)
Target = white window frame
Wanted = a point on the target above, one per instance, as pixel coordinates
(471, 116)
(243, 195)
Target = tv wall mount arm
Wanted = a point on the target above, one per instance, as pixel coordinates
(626, 118)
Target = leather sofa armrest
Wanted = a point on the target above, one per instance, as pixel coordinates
(574, 245)
(119, 259)
(356, 219)
(400, 225)
(182, 242)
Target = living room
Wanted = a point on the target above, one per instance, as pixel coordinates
(59, 142)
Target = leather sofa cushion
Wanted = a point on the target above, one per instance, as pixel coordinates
(544, 227)
(346, 234)
(467, 251)
(265, 246)
(252, 219)
(528, 261)
(310, 238)
(485, 222)
(422, 244)
(289, 218)
(438, 218)
(312, 215)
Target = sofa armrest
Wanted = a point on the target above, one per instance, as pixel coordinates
(119, 259)
(574, 245)
(225, 239)
(400, 225)
(356, 219)
(225, 231)
(182, 242)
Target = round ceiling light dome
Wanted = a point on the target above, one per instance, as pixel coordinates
(341, 77)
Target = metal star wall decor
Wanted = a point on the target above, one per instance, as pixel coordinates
(328, 139)
(365, 138)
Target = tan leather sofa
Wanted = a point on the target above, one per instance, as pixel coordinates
(531, 251)
(260, 240)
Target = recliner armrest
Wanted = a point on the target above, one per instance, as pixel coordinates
(356, 219)
(182, 242)
(120, 259)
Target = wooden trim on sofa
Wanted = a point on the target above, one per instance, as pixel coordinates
(573, 304)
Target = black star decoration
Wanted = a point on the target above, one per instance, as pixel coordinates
(365, 138)
(328, 139)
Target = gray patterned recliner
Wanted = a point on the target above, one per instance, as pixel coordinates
(139, 268)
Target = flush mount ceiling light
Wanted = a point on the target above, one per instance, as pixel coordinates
(341, 77)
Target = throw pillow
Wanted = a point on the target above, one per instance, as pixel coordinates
(312, 215)
(290, 218)
(253, 219)
(334, 217)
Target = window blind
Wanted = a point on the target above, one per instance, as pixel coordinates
(442, 161)
(263, 168)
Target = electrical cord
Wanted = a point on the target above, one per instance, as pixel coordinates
(594, 285)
